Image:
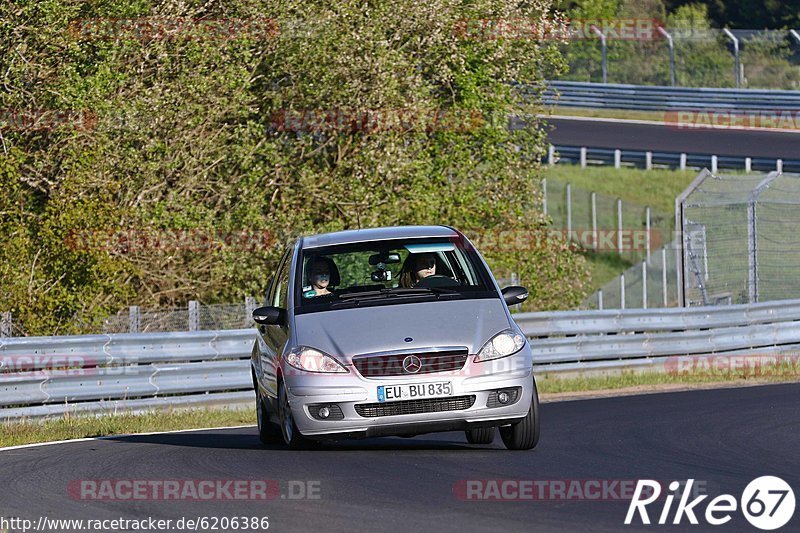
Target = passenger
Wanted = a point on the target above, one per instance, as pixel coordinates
(417, 267)
(321, 274)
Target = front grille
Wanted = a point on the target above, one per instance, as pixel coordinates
(392, 365)
(412, 407)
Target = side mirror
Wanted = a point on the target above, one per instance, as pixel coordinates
(514, 295)
(266, 316)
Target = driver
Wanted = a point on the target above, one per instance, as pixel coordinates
(417, 267)
(321, 273)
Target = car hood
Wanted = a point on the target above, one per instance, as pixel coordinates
(348, 332)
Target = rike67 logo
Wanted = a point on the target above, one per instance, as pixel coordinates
(767, 503)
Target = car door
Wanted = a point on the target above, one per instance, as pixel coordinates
(269, 337)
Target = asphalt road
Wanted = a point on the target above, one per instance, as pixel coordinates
(631, 136)
(722, 438)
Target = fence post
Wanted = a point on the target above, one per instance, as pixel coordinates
(683, 161)
(249, 307)
(648, 160)
(779, 165)
(752, 264)
(619, 225)
(622, 291)
(714, 164)
(551, 155)
(644, 284)
(663, 32)
(134, 319)
(569, 212)
(647, 230)
(5, 324)
(748, 164)
(583, 157)
(617, 158)
(605, 51)
(664, 276)
(678, 273)
(594, 221)
(600, 299)
(544, 195)
(194, 315)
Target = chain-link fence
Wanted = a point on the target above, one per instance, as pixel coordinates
(194, 317)
(740, 238)
(766, 59)
(605, 224)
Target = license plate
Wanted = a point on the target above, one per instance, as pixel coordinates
(413, 391)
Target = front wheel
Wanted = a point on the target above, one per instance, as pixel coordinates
(291, 435)
(524, 435)
(268, 433)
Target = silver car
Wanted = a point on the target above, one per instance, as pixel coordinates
(391, 331)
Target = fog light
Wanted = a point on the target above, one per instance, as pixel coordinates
(325, 412)
(502, 397)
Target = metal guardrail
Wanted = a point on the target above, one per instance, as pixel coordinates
(663, 98)
(51, 376)
(648, 159)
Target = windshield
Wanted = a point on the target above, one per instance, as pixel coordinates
(389, 273)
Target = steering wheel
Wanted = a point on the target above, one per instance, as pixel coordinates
(437, 280)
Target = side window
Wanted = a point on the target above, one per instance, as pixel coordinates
(281, 290)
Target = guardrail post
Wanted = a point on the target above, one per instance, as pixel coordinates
(664, 276)
(647, 232)
(779, 165)
(194, 315)
(683, 161)
(5, 324)
(249, 307)
(594, 221)
(134, 321)
(544, 196)
(617, 158)
(605, 51)
(714, 164)
(551, 155)
(583, 157)
(648, 160)
(644, 284)
(622, 291)
(569, 212)
(619, 225)
(735, 55)
(663, 32)
(748, 164)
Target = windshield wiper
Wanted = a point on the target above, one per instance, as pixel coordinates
(398, 291)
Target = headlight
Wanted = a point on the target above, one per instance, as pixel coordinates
(311, 360)
(503, 344)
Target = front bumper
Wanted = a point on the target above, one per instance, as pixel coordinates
(349, 390)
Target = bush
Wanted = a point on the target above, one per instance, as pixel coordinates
(175, 177)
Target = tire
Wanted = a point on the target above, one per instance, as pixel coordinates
(480, 435)
(268, 433)
(291, 435)
(524, 435)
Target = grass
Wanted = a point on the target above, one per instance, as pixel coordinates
(554, 384)
(30, 431)
(603, 267)
(655, 188)
(656, 116)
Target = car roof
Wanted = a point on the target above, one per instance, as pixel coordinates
(376, 234)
